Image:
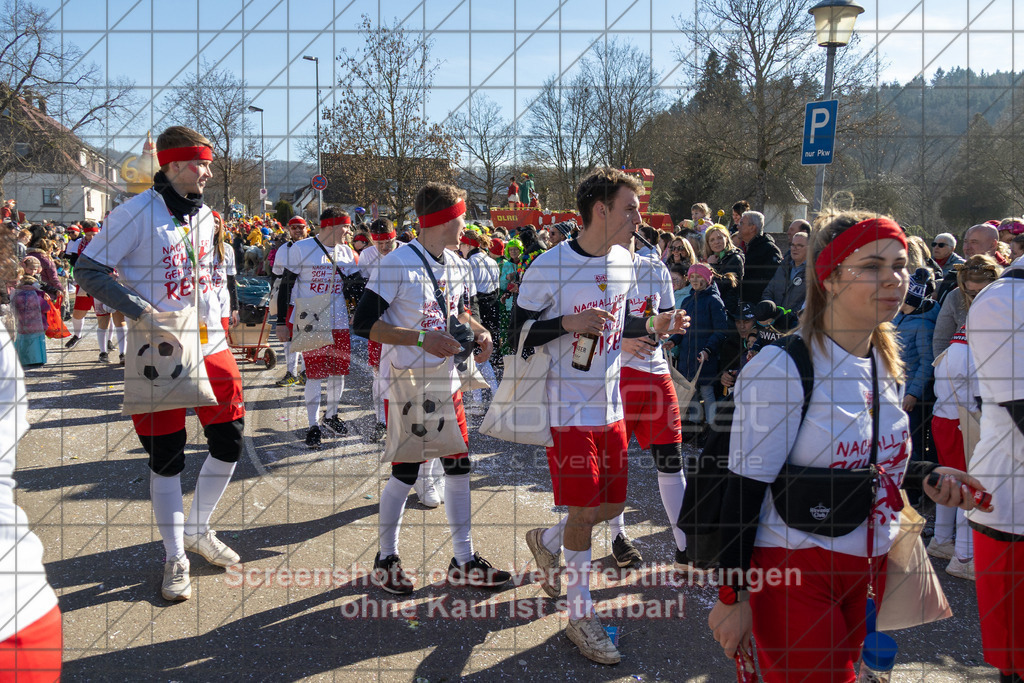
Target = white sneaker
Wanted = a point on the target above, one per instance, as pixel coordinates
(590, 637)
(547, 563)
(438, 483)
(211, 548)
(961, 570)
(943, 551)
(176, 586)
(425, 491)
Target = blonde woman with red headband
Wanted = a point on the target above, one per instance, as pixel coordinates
(797, 574)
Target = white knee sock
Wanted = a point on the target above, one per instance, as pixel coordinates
(122, 338)
(76, 326)
(392, 506)
(165, 492)
(487, 370)
(458, 507)
(672, 487)
(577, 583)
(552, 538)
(335, 387)
(101, 338)
(618, 524)
(213, 480)
(945, 518)
(290, 358)
(312, 394)
(964, 548)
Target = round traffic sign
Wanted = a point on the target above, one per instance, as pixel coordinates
(319, 183)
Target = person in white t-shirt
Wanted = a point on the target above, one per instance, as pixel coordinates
(583, 287)
(30, 623)
(382, 232)
(485, 273)
(83, 302)
(401, 308)
(161, 243)
(297, 231)
(319, 264)
(857, 279)
(995, 332)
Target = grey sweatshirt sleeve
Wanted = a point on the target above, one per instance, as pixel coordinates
(945, 324)
(95, 278)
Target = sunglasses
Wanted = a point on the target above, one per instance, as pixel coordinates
(939, 244)
(678, 249)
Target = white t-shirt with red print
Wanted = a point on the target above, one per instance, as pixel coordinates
(956, 380)
(401, 279)
(561, 282)
(836, 432)
(141, 240)
(654, 282)
(315, 273)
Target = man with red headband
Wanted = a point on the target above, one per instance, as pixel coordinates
(297, 231)
(320, 263)
(161, 243)
(385, 239)
(83, 302)
(401, 309)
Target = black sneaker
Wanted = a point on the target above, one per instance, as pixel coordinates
(104, 356)
(120, 360)
(336, 425)
(380, 430)
(625, 553)
(73, 342)
(693, 570)
(111, 345)
(389, 575)
(477, 572)
(301, 379)
(314, 437)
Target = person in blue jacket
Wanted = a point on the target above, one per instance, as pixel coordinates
(709, 326)
(915, 326)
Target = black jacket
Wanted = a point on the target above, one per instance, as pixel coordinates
(761, 261)
(730, 262)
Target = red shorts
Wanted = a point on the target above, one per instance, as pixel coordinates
(652, 412)
(34, 653)
(373, 353)
(227, 387)
(460, 413)
(810, 628)
(83, 303)
(329, 361)
(998, 568)
(588, 465)
(949, 442)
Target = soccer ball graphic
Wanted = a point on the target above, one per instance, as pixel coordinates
(307, 320)
(159, 361)
(424, 417)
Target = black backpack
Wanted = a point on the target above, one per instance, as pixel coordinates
(701, 514)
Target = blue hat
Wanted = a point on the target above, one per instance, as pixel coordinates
(360, 209)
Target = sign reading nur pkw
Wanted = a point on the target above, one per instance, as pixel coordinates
(819, 132)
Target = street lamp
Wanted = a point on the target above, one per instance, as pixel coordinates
(263, 160)
(833, 27)
(319, 170)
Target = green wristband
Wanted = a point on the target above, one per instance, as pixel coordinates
(423, 335)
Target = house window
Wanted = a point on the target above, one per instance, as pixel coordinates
(88, 200)
(22, 149)
(50, 197)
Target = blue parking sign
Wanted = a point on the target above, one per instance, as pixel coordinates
(819, 132)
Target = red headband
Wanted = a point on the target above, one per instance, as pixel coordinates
(471, 241)
(91, 228)
(340, 220)
(184, 154)
(443, 216)
(853, 238)
(361, 238)
(380, 236)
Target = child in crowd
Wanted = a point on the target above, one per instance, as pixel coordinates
(30, 307)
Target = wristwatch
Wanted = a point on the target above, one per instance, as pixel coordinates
(730, 596)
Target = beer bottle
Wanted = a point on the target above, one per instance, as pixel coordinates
(649, 312)
(583, 355)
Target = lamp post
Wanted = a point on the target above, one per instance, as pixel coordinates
(319, 170)
(263, 161)
(833, 28)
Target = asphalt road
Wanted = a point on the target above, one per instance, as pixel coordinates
(305, 524)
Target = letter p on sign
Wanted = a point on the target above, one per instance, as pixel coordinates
(819, 132)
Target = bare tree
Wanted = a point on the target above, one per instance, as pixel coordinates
(562, 128)
(49, 97)
(624, 86)
(778, 67)
(485, 139)
(214, 102)
(379, 135)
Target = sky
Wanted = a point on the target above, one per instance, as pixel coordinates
(502, 49)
